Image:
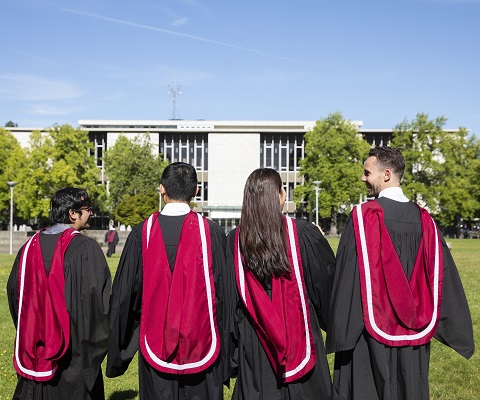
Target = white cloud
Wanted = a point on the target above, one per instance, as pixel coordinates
(23, 87)
(180, 21)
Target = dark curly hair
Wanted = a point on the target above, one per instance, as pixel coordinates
(389, 157)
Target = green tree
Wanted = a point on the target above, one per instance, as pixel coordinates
(458, 195)
(132, 167)
(334, 155)
(12, 158)
(60, 157)
(441, 166)
(418, 141)
(134, 209)
(11, 124)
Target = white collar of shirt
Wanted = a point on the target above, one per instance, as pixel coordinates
(175, 209)
(394, 193)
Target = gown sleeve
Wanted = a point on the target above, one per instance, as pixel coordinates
(231, 307)
(12, 289)
(345, 321)
(87, 292)
(455, 327)
(319, 265)
(223, 291)
(125, 306)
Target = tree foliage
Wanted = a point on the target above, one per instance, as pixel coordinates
(11, 124)
(12, 157)
(441, 171)
(134, 209)
(133, 167)
(334, 155)
(58, 158)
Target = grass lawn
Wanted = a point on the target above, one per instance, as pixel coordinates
(451, 376)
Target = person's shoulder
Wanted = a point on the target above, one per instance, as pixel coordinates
(215, 226)
(83, 243)
(81, 238)
(232, 233)
(301, 223)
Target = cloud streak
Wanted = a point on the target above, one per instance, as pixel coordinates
(179, 34)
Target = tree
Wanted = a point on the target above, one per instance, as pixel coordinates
(134, 209)
(12, 157)
(58, 158)
(132, 167)
(334, 155)
(441, 166)
(11, 124)
(458, 195)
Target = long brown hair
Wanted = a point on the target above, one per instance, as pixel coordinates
(262, 230)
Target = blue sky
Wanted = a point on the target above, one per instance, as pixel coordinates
(379, 61)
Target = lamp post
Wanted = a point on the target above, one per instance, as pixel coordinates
(11, 185)
(317, 189)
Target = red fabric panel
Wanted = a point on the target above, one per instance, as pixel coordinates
(178, 328)
(111, 235)
(43, 326)
(398, 311)
(280, 322)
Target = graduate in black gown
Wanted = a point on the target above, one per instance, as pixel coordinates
(72, 282)
(283, 270)
(182, 338)
(111, 238)
(381, 333)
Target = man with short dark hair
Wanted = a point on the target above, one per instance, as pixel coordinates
(396, 286)
(168, 299)
(58, 293)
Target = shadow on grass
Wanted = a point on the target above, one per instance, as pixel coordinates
(124, 395)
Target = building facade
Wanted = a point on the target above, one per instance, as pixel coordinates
(224, 153)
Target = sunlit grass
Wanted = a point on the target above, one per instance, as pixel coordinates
(451, 376)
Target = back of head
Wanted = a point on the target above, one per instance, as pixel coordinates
(65, 200)
(262, 229)
(180, 181)
(391, 158)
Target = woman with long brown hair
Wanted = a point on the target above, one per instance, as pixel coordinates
(283, 269)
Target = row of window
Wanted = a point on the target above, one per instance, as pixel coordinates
(280, 152)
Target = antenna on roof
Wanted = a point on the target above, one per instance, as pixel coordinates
(174, 92)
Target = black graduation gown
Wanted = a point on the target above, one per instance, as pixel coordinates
(87, 294)
(250, 364)
(111, 245)
(126, 305)
(365, 368)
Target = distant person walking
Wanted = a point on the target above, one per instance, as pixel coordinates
(58, 293)
(111, 238)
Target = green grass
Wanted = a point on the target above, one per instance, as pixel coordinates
(451, 376)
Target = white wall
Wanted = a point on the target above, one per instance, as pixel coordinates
(231, 159)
